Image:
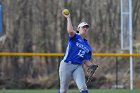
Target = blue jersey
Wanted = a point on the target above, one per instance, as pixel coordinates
(77, 50)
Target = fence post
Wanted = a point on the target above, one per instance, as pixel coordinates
(116, 72)
(0, 16)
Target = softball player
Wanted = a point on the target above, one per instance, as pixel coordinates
(78, 52)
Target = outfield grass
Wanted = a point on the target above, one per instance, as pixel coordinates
(72, 91)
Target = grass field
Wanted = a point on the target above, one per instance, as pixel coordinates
(72, 91)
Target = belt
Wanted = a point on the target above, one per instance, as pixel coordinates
(74, 63)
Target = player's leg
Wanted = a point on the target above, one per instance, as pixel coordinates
(79, 78)
(65, 77)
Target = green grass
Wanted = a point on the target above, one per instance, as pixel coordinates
(72, 91)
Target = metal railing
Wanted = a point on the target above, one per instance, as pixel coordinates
(61, 54)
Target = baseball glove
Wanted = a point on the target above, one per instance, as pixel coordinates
(91, 71)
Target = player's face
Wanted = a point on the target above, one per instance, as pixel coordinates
(83, 30)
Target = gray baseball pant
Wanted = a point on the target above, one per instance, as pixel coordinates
(67, 72)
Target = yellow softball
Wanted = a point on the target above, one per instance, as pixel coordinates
(66, 11)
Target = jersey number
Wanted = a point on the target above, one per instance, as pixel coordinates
(81, 53)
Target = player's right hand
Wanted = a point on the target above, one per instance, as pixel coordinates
(67, 16)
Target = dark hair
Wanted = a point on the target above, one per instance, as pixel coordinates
(77, 31)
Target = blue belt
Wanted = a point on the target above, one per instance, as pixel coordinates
(75, 63)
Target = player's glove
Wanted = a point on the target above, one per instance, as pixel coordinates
(92, 68)
(91, 71)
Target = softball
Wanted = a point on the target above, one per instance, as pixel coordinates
(66, 11)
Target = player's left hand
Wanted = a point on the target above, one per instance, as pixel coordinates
(93, 67)
(91, 71)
